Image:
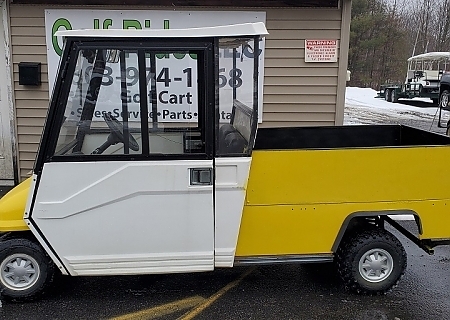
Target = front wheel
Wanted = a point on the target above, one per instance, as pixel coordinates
(387, 95)
(25, 269)
(371, 262)
(443, 100)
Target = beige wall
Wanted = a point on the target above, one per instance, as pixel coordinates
(295, 93)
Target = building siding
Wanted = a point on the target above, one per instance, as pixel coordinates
(295, 93)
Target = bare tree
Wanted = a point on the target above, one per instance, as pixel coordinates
(442, 26)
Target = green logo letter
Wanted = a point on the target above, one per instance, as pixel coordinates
(128, 24)
(61, 22)
(107, 23)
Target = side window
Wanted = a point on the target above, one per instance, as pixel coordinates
(236, 97)
(175, 112)
(142, 102)
(102, 113)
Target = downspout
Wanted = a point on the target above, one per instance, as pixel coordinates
(346, 7)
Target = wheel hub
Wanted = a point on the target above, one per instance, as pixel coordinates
(444, 102)
(19, 272)
(376, 265)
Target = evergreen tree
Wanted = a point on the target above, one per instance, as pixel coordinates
(377, 43)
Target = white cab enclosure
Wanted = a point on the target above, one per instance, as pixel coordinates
(146, 150)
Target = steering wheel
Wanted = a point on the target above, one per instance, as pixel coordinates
(117, 130)
(116, 135)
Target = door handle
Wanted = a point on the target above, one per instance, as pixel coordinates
(201, 176)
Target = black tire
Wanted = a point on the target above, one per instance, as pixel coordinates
(444, 100)
(25, 269)
(360, 252)
(387, 95)
(394, 96)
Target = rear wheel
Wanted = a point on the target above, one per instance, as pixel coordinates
(394, 96)
(371, 262)
(25, 269)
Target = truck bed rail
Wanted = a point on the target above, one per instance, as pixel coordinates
(364, 136)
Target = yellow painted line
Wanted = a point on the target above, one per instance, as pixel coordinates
(199, 309)
(162, 310)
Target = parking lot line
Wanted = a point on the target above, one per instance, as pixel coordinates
(162, 310)
(206, 303)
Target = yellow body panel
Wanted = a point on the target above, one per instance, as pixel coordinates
(297, 200)
(12, 208)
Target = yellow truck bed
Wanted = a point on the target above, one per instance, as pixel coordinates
(305, 183)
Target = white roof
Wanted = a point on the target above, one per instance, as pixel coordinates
(234, 30)
(431, 56)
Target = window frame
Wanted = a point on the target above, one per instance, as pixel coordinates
(251, 112)
(204, 47)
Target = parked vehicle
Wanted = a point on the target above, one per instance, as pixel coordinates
(422, 78)
(444, 93)
(141, 171)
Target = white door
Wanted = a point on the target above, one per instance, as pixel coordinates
(6, 154)
(127, 195)
(127, 217)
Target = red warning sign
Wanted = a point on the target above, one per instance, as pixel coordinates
(320, 50)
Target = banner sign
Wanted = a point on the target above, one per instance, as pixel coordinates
(321, 51)
(177, 73)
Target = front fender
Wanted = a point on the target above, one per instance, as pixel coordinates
(12, 208)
